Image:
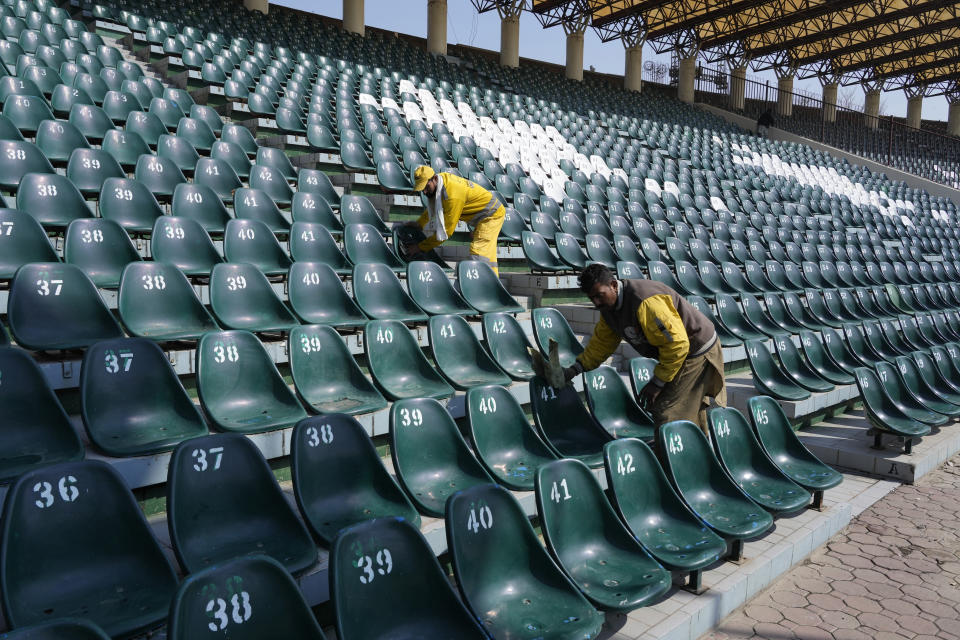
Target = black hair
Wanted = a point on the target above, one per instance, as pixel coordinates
(593, 275)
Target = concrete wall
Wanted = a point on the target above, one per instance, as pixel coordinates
(933, 188)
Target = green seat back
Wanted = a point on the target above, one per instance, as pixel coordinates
(183, 242)
(507, 445)
(904, 399)
(732, 319)
(592, 546)
(126, 147)
(459, 356)
(157, 301)
(312, 208)
(796, 368)
(147, 125)
(430, 456)
(539, 254)
(339, 478)
(254, 204)
(131, 400)
(769, 377)
(158, 174)
(241, 136)
(26, 112)
(696, 474)
(129, 203)
(272, 183)
(315, 352)
(548, 323)
(201, 203)
(482, 289)
(36, 430)
(63, 629)
(90, 120)
(821, 361)
(727, 339)
(570, 252)
(124, 557)
(240, 387)
(51, 199)
(565, 424)
(243, 599)
(363, 243)
(242, 298)
(432, 291)
(398, 365)
(785, 449)
(654, 512)
(179, 152)
(101, 248)
(223, 501)
(758, 318)
(613, 406)
(316, 182)
(58, 139)
(197, 132)
(19, 158)
(251, 241)
(168, 111)
(388, 561)
(359, 210)
(88, 169)
(492, 543)
(379, 294)
(313, 242)
(56, 306)
(881, 411)
(22, 240)
(219, 175)
(317, 296)
(508, 344)
(748, 465)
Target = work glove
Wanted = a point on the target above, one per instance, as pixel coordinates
(549, 368)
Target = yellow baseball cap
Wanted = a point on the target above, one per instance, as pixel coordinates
(421, 176)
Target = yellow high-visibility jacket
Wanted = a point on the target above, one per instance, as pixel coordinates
(465, 199)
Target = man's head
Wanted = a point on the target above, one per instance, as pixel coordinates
(600, 286)
(425, 180)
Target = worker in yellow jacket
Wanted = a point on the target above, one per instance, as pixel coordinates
(450, 198)
(659, 323)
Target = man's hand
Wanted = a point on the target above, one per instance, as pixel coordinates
(648, 396)
(411, 249)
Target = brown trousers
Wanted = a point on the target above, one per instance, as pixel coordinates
(698, 385)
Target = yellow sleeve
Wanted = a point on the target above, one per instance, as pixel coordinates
(423, 219)
(663, 328)
(451, 216)
(601, 346)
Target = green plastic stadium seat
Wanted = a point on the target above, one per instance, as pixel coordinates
(539, 254)
(51, 199)
(36, 430)
(548, 323)
(22, 240)
(316, 182)
(883, 414)
(178, 152)
(565, 423)
(183, 242)
(733, 320)
(359, 210)
(157, 301)
(388, 561)
(904, 400)
(776, 309)
(432, 291)
(241, 298)
(379, 294)
(397, 364)
(254, 204)
(200, 203)
(168, 111)
(339, 479)
(756, 317)
(313, 242)
(696, 474)
(797, 368)
(57, 139)
(430, 457)
(614, 407)
(272, 183)
(591, 544)
(317, 296)
(252, 242)
(197, 132)
(938, 371)
(61, 629)
(87, 169)
(726, 338)
(838, 349)
(641, 372)
(64, 97)
(276, 159)
(654, 513)
(769, 377)
(240, 387)
(363, 243)
(129, 203)
(570, 252)
(131, 400)
(225, 155)
(856, 341)
(56, 306)
(508, 344)
(158, 174)
(119, 563)
(147, 125)
(482, 289)
(255, 597)
(240, 135)
(311, 208)
(459, 356)
(506, 443)
(101, 248)
(492, 544)
(785, 449)
(821, 361)
(90, 120)
(748, 465)
(223, 501)
(126, 147)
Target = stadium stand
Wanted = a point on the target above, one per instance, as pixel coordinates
(201, 254)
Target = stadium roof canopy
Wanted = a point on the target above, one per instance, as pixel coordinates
(890, 44)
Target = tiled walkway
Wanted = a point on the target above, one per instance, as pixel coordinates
(894, 572)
